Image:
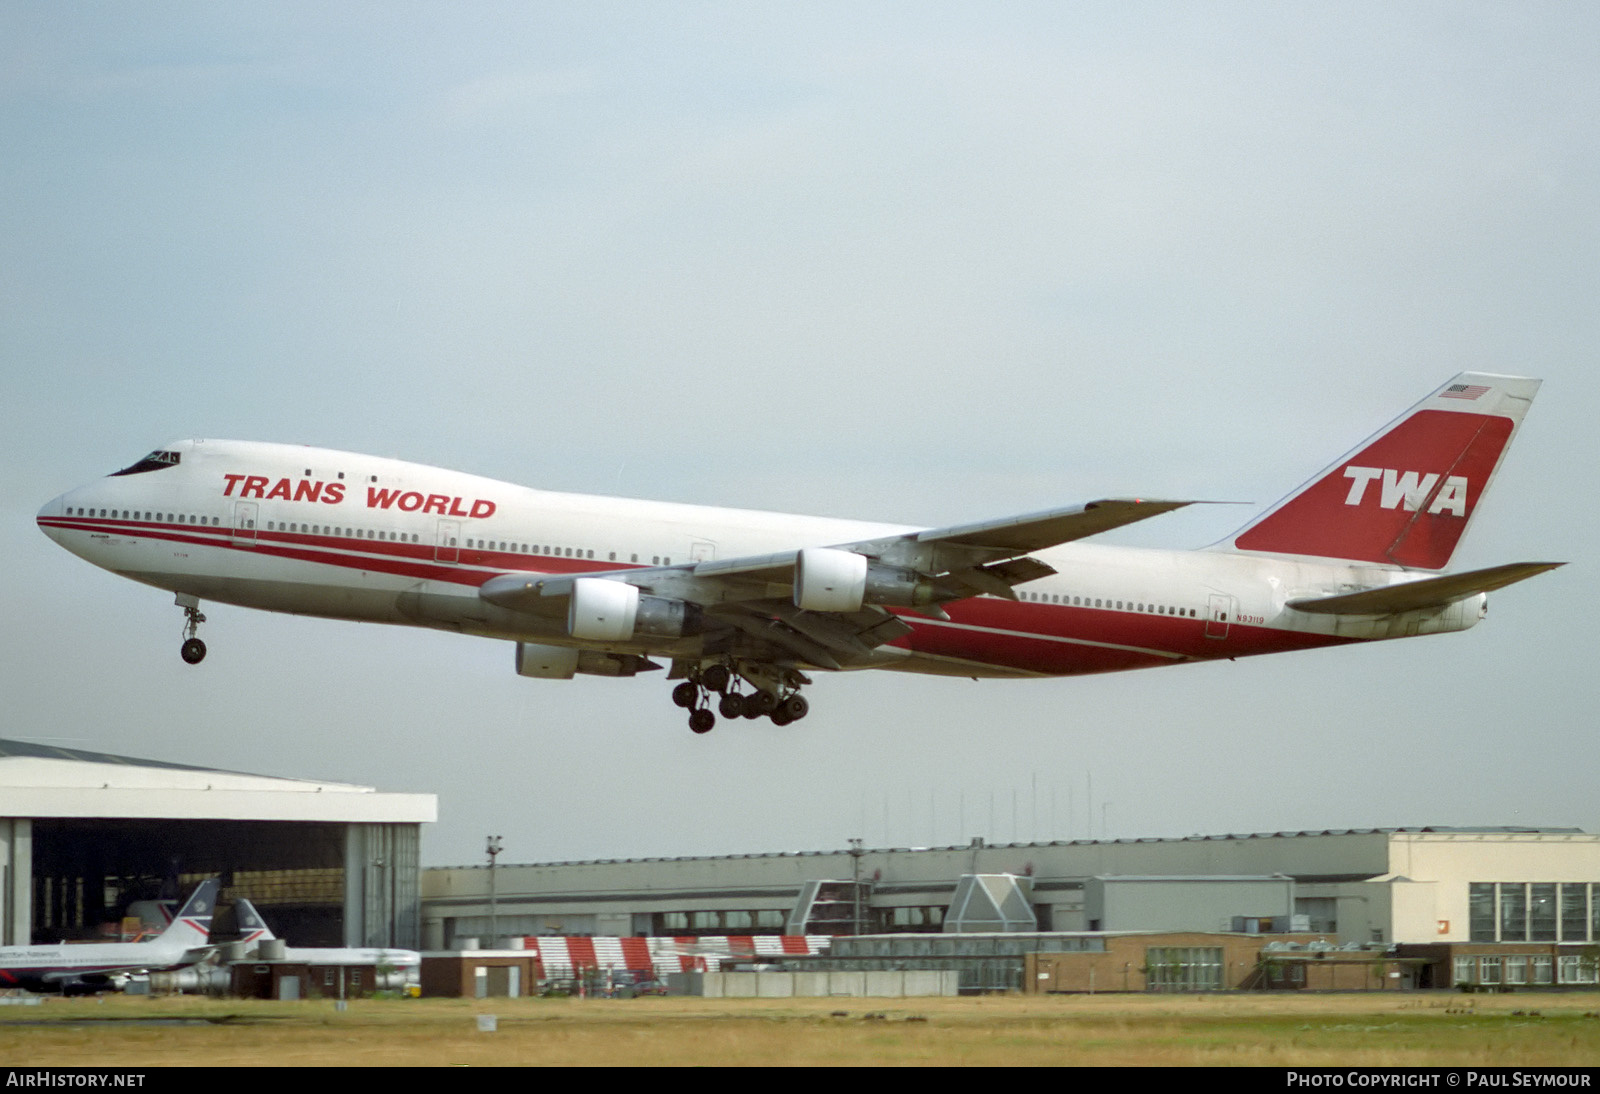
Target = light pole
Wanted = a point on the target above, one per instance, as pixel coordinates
(492, 850)
(855, 886)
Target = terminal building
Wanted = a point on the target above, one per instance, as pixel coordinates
(1357, 887)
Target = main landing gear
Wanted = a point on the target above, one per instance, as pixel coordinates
(777, 696)
(193, 651)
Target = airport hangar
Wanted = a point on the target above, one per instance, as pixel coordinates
(83, 834)
(1359, 887)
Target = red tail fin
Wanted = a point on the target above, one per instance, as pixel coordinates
(1406, 495)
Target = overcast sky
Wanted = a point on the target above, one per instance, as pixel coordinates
(913, 262)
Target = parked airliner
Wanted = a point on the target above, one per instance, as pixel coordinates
(253, 931)
(600, 585)
(98, 964)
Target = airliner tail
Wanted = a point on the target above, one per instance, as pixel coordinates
(1405, 496)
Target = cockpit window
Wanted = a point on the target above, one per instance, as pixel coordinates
(156, 461)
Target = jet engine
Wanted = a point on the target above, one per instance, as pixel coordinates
(563, 662)
(827, 579)
(614, 611)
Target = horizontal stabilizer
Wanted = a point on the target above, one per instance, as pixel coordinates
(1432, 592)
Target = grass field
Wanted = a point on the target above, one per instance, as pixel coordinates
(1275, 1030)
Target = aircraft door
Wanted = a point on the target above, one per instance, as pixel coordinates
(1219, 614)
(244, 522)
(447, 547)
(701, 551)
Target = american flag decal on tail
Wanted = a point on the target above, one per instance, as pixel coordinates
(1463, 391)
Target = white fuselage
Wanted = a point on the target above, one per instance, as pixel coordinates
(324, 533)
(45, 966)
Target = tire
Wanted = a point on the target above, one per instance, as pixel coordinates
(193, 651)
(702, 720)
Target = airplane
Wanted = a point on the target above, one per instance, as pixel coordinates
(254, 929)
(100, 964)
(603, 586)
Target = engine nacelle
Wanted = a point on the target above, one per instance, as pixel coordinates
(897, 587)
(546, 662)
(602, 611)
(613, 611)
(827, 579)
(563, 662)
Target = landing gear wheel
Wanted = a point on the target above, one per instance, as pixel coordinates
(685, 694)
(716, 678)
(702, 720)
(731, 705)
(193, 650)
(793, 708)
(781, 716)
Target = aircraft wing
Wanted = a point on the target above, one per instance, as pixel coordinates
(966, 553)
(765, 597)
(1036, 531)
(1432, 592)
(73, 976)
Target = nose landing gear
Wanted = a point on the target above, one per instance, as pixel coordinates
(193, 651)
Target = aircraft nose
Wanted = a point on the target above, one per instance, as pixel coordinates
(49, 518)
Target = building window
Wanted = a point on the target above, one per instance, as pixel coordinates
(1574, 911)
(1513, 913)
(1480, 911)
(1577, 969)
(1183, 968)
(1542, 912)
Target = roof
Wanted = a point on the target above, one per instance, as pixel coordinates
(982, 845)
(41, 780)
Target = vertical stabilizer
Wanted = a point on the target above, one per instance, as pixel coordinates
(252, 928)
(191, 927)
(1405, 496)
